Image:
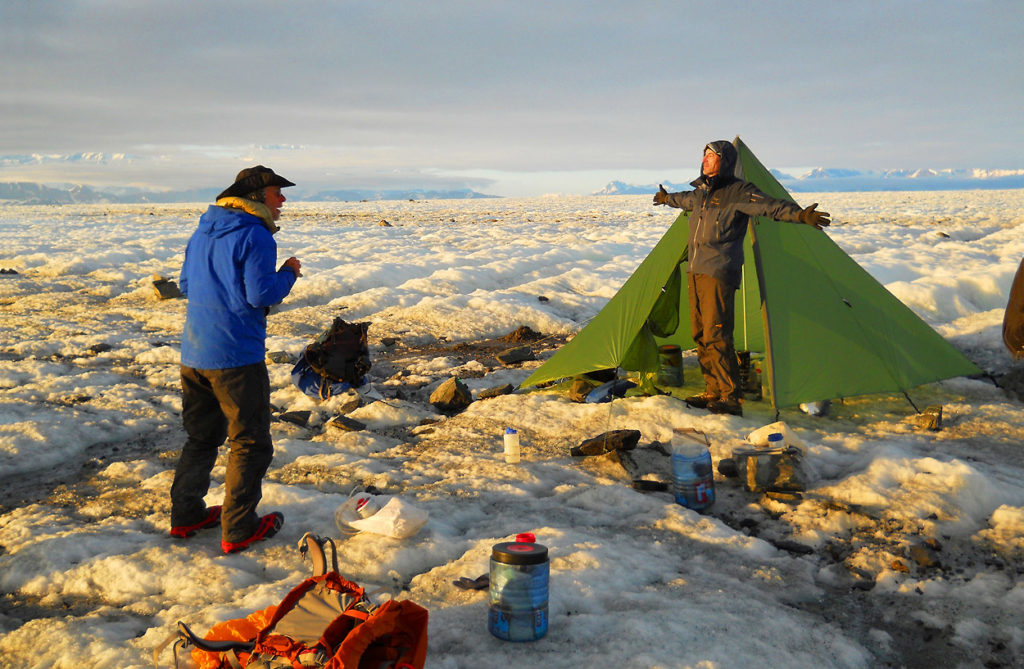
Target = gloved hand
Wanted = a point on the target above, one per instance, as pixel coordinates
(819, 219)
(661, 197)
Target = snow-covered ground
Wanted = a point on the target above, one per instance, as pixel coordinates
(906, 549)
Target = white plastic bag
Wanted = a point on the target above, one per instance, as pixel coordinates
(396, 519)
(759, 437)
(348, 512)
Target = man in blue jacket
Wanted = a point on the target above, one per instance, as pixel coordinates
(230, 278)
(720, 207)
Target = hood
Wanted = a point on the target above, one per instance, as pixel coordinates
(727, 170)
(220, 220)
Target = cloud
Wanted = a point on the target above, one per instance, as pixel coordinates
(450, 87)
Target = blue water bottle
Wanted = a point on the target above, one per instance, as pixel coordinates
(692, 474)
(519, 590)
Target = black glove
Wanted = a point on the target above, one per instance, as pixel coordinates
(819, 219)
(661, 197)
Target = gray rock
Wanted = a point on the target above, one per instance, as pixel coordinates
(514, 355)
(300, 418)
(931, 418)
(452, 396)
(165, 289)
(497, 391)
(345, 424)
(280, 357)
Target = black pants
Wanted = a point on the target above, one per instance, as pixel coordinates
(219, 404)
(712, 316)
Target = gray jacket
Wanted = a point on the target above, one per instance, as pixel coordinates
(721, 207)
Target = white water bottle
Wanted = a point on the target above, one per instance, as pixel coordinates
(511, 446)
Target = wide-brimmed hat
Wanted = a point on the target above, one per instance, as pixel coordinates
(252, 179)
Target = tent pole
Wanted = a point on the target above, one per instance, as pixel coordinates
(743, 302)
(911, 401)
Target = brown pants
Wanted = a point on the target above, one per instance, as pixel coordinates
(712, 315)
(219, 404)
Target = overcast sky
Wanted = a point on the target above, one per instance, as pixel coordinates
(509, 98)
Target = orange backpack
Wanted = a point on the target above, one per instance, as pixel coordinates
(325, 622)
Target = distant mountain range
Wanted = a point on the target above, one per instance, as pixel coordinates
(34, 193)
(822, 179)
(22, 192)
(817, 180)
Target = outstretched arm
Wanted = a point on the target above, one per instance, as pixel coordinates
(683, 200)
(760, 204)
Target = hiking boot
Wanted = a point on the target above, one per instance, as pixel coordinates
(268, 527)
(731, 407)
(185, 531)
(700, 401)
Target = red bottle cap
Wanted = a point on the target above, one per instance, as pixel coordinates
(526, 538)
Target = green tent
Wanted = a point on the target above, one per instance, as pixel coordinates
(826, 327)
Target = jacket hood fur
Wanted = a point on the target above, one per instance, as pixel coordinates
(257, 209)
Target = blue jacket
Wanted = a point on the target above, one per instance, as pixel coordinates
(229, 277)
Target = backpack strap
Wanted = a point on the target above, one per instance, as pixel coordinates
(176, 638)
(312, 546)
(184, 637)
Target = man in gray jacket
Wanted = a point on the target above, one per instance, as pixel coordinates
(721, 206)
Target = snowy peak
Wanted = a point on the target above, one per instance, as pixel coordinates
(831, 173)
(622, 188)
(618, 188)
(87, 157)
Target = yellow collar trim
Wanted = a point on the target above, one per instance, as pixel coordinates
(257, 209)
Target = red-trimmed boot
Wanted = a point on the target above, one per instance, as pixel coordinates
(185, 531)
(268, 527)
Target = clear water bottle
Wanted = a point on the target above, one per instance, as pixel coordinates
(366, 506)
(692, 474)
(519, 574)
(511, 446)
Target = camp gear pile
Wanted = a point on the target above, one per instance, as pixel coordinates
(325, 622)
(335, 362)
